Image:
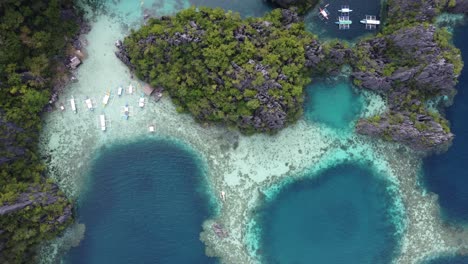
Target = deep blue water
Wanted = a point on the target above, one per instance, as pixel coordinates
(332, 103)
(339, 217)
(450, 260)
(145, 204)
(447, 174)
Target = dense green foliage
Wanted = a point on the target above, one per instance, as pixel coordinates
(302, 5)
(33, 37)
(206, 75)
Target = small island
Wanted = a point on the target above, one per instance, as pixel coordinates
(248, 73)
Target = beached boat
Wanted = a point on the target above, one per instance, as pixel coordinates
(105, 100)
(130, 89)
(89, 104)
(73, 106)
(62, 107)
(119, 91)
(102, 118)
(126, 112)
(141, 102)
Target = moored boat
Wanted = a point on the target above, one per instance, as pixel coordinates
(89, 104)
(126, 112)
(73, 106)
(102, 118)
(105, 100)
(141, 102)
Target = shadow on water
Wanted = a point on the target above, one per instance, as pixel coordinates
(340, 216)
(146, 202)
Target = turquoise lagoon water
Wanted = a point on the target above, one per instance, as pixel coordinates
(145, 204)
(341, 216)
(334, 104)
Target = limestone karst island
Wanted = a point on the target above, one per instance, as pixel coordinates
(234, 132)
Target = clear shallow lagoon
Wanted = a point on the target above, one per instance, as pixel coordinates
(237, 164)
(333, 104)
(145, 203)
(340, 216)
(446, 174)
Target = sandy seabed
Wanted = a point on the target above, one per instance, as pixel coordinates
(245, 168)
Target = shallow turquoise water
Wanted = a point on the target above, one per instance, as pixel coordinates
(332, 103)
(339, 217)
(145, 204)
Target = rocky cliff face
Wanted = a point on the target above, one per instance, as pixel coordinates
(417, 10)
(461, 7)
(408, 67)
(41, 208)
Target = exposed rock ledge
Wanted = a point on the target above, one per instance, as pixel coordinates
(408, 67)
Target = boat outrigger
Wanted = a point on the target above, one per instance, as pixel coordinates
(119, 91)
(73, 106)
(343, 22)
(105, 100)
(323, 12)
(141, 101)
(102, 118)
(345, 9)
(89, 104)
(126, 112)
(371, 22)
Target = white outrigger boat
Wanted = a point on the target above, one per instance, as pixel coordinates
(119, 91)
(105, 100)
(345, 9)
(370, 21)
(102, 118)
(141, 101)
(130, 89)
(126, 112)
(73, 106)
(323, 12)
(89, 104)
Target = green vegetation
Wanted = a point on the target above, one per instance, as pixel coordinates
(33, 39)
(231, 70)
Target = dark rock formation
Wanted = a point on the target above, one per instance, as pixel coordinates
(35, 196)
(421, 134)
(461, 7)
(413, 10)
(408, 67)
(9, 149)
